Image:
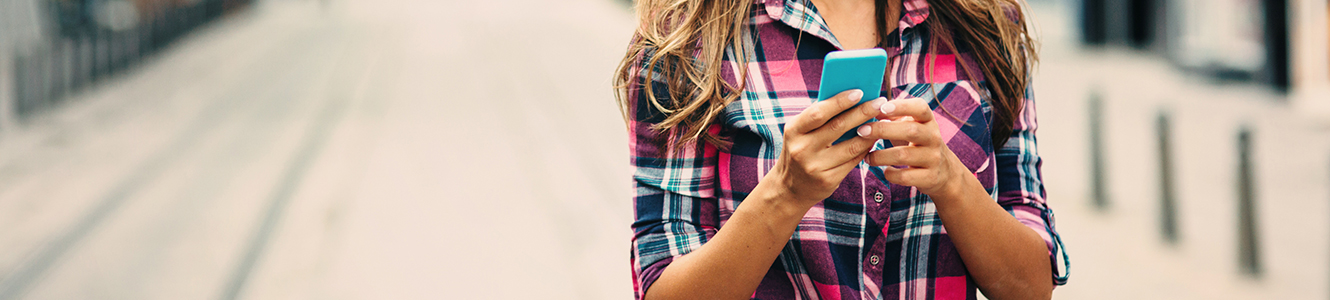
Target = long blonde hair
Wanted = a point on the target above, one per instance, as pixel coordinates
(684, 43)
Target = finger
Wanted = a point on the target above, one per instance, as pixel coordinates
(917, 157)
(852, 150)
(820, 112)
(915, 108)
(901, 132)
(845, 168)
(899, 119)
(907, 177)
(847, 121)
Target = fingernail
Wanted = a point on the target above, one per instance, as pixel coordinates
(865, 130)
(875, 105)
(855, 95)
(888, 108)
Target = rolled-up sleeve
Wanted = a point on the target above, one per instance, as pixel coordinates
(674, 199)
(1021, 187)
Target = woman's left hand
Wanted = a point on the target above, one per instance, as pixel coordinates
(919, 158)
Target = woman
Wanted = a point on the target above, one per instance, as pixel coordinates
(717, 94)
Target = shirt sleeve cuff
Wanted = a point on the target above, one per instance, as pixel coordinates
(1041, 220)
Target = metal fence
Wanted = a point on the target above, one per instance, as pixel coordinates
(90, 41)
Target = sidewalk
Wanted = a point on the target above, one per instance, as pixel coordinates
(359, 150)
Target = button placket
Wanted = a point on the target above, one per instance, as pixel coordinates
(879, 213)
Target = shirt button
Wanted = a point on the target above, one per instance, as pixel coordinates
(873, 260)
(877, 197)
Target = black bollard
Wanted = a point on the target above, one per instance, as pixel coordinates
(26, 98)
(39, 78)
(62, 68)
(155, 31)
(131, 48)
(1097, 177)
(122, 48)
(85, 59)
(98, 57)
(144, 31)
(43, 68)
(75, 63)
(1248, 252)
(1167, 203)
(106, 55)
(115, 51)
(53, 66)
(20, 84)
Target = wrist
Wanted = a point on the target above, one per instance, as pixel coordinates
(961, 184)
(777, 198)
(956, 189)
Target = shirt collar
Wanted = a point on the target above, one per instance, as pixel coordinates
(802, 15)
(916, 11)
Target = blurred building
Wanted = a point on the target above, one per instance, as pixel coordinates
(1280, 43)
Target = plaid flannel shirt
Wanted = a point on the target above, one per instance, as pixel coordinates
(871, 239)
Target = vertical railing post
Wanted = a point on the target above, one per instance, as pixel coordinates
(1167, 201)
(1248, 240)
(1098, 186)
(63, 62)
(8, 91)
(22, 85)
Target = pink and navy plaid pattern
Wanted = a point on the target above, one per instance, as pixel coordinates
(871, 239)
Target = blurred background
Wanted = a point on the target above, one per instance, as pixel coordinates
(408, 149)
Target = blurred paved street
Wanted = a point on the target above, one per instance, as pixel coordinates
(363, 150)
(415, 149)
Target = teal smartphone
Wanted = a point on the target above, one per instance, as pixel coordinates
(853, 69)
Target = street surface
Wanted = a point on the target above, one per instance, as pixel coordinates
(413, 149)
(363, 150)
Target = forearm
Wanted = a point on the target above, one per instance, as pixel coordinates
(733, 262)
(1007, 259)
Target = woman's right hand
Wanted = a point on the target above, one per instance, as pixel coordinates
(810, 167)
